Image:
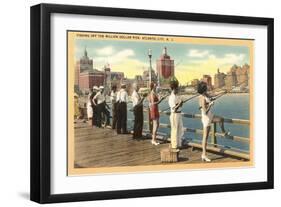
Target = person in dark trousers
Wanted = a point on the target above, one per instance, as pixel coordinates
(138, 112)
(105, 114)
(94, 117)
(122, 99)
(99, 102)
(113, 97)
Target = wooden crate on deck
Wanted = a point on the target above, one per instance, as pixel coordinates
(169, 155)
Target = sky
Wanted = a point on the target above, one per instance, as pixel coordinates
(191, 60)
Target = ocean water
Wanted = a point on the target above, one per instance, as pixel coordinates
(234, 106)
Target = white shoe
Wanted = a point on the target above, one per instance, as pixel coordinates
(205, 158)
(226, 133)
(154, 143)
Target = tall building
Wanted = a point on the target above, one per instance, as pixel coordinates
(231, 79)
(117, 78)
(237, 76)
(88, 79)
(139, 80)
(117, 75)
(194, 83)
(85, 76)
(76, 73)
(242, 74)
(208, 79)
(219, 79)
(165, 66)
(84, 64)
(145, 77)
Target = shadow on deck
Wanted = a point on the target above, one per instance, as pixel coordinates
(98, 147)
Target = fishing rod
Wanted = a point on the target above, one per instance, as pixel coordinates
(144, 96)
(225, 91)
(190, 98)
(217, 96)
(186, 100)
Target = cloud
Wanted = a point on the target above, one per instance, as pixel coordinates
(130, 67)
(105, 51)
(197, 53)
(115, 57)
(232, 58)
(199, 56)
(123, 60)
(124, 54)
(229, 58)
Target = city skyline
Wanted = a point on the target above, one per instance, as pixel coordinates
(191, 60)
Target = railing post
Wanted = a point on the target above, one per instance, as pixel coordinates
(214, 138)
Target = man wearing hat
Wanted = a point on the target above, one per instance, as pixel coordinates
(175, 104)
(122, 99)
(99, 101)
(92, 95)
(138, 112)
(113, 97)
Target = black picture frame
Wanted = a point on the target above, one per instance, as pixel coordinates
(41, 102)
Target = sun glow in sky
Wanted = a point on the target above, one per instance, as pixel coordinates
(191, 60)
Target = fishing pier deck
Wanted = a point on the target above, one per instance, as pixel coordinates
(102, 147)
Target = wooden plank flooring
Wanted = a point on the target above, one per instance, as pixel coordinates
(98, 147)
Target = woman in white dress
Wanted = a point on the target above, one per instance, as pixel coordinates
(206, 101)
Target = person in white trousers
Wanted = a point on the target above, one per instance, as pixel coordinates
(175, 104)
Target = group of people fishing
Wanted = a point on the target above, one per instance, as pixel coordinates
(98, 110)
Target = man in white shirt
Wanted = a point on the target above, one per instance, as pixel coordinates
(122, 99)
(99, 101)
(138, 112)
(175, 104)
(113, 98)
